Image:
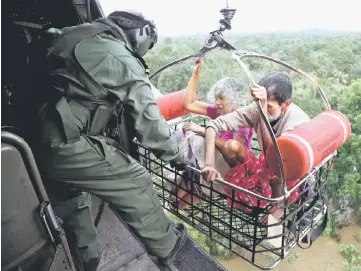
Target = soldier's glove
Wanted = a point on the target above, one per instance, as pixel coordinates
(179, 163)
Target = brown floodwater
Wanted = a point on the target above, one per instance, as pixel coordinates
(323, 255)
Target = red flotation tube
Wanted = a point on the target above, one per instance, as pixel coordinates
(171, 105)
(306, 146)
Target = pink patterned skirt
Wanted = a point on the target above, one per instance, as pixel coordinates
(254, 176)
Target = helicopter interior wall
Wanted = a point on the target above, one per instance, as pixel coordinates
(85, 6)
(50, 13)
(15, 45)
(19, 207)
(25, 244)
(16, 50)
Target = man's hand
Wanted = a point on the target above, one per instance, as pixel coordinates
(259, 93)
(194, 128)
(209, 173)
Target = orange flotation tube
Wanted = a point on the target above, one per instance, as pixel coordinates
(306, 146)
(171, 105)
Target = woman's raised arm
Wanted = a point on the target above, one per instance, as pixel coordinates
(189, 100)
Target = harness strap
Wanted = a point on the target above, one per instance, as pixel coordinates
(64, 46)
(315, 233)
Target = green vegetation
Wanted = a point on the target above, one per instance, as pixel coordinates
(292, 257)
(205, 242)
(358, 236)
(352, 256)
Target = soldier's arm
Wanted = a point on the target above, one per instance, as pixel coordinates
(151, 128)
(135, 92)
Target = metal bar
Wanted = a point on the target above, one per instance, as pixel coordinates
(230, 220)
(43, 217)
(270, 200)
(244, 54)
(67, 250)
(210, 212)
(162, 180)
(28, 24)
(255, 235)
(191, 117)
(173, 63)
(49, 213)
(268, 126)
(240, 189)
(29, 162)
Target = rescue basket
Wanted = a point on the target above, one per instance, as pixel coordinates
(263, 235)
(256, 225)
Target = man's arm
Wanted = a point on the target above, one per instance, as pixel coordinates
(209, 172)
(219, 143)
(244, 117)
(233, 150)
(260, 93)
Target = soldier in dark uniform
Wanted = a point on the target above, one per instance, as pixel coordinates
(95, 68)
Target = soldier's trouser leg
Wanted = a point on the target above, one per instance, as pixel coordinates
(92, 165)
(79, 224)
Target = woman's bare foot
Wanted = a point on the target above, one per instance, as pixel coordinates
(181, 191)
(187, 201)
(277, 211)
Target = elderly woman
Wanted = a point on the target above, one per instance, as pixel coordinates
(226, 95)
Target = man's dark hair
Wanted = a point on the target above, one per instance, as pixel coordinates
(277, 85)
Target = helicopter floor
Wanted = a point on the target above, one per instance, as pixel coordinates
(121, 250)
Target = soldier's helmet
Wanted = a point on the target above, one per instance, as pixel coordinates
(141, 32)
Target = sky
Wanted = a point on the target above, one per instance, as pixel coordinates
(189, 17)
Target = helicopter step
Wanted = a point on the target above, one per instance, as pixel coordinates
(121, 250)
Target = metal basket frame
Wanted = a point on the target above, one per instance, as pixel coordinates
(245, 233)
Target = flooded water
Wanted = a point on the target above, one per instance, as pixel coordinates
(323, 255)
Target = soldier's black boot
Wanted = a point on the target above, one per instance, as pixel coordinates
(181, 232)
(91, 264)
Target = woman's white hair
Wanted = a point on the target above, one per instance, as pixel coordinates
(230, 88)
